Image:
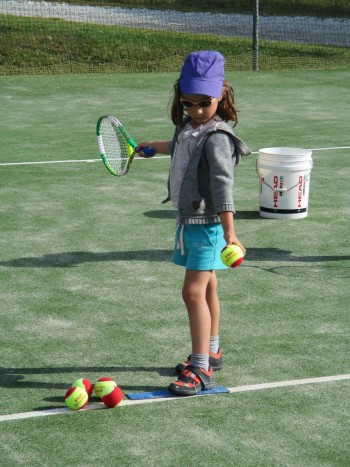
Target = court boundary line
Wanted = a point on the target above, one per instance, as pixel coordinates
(73, 161)
(233, 390)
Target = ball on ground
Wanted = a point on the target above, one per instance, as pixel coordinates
(112, 395)
(85, 384)
(103, 383)
(232, 255)
(76, 398)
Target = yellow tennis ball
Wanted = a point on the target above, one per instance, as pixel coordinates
(85, 384)
(131, 150)
(232, 255)
(103, 383)
(76, 398)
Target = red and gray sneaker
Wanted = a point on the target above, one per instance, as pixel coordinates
(215, 361)
(192, 380)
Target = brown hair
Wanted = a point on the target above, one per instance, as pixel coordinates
(226, 106)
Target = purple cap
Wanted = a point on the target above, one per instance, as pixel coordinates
(203, 73)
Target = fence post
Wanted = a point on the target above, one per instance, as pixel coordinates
(256, 35)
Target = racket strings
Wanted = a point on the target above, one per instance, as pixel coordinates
(116, 148)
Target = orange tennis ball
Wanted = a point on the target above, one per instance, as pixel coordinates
(112, 395)
(103, 383)
(232, 256)
(85, 384)
(76, 398)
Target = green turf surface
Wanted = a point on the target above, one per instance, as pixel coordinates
(88, 289)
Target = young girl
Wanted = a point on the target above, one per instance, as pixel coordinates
(203, 151)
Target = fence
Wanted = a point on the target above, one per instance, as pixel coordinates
(49, 37)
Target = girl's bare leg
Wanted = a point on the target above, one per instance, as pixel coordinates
(196, 292)
(213, 304)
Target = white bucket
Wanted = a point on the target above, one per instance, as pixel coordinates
(284, 175)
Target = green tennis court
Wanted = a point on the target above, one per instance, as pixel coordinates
(88, 288)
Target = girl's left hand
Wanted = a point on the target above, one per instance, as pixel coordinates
(234, 239)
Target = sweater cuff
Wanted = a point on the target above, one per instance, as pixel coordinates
(225, 208)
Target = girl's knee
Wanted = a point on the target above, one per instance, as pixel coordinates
(191, 294)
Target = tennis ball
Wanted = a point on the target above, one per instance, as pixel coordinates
(85, 384)
(232, 255)
(112, 395)
(103, 383)
(76, 398)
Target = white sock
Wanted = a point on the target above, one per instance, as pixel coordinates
(201, 360)
(214, 344)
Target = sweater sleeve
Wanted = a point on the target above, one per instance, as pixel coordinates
(220, 152)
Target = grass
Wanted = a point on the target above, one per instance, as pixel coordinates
(46, 46)
(88, 288)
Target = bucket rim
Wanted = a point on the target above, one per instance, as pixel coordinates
(286, 151)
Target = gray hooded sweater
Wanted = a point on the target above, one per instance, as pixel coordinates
(206, 188)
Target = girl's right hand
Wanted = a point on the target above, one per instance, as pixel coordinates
(159, 147)
(145, 145)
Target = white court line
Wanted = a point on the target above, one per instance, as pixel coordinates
(293, 382)
(51, 162)
(70, 161)
(318, 149)
(251, 387)
(73, 161)
(326, 149)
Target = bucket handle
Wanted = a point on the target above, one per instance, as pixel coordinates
(280, 190)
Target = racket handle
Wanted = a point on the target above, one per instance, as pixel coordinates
(150, 152)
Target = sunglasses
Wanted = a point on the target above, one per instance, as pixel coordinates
(186, 104)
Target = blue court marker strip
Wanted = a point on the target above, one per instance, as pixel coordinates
(165, 393)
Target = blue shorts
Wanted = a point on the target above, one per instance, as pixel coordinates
(198, 247)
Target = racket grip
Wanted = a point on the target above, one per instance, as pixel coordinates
(150, 152)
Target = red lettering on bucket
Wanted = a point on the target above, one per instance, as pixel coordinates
(275, 193)
(300, 191)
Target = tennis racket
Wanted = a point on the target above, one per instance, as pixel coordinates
(117, 148)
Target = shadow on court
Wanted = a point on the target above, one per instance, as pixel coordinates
(74, 258)
(161, 214)
(171, 214)
(15, 378)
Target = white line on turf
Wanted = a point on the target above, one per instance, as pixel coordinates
(319, 149)
(246, 388)
(68, 161)
(50, 162)
(330, 149)
(73, 161)
(293, 382)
